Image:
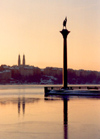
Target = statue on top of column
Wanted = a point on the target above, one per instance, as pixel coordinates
(64, 22)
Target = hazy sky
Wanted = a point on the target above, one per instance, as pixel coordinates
(31, 27)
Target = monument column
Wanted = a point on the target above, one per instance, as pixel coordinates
(65, 32)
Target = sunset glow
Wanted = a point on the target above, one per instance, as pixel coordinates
(32, 28)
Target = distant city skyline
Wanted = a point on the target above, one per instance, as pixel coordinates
(32, 28)
(21, 61)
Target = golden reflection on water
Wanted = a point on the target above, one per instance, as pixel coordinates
(66, 118)
(30, 118)
(84, 118)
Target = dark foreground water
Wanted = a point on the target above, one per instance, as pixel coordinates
(26, 114)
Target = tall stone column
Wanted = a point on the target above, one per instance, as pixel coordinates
(65, 33)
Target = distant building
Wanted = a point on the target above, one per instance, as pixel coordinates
(19, 63)
(5, 75)
(24, 70)
(23, 60)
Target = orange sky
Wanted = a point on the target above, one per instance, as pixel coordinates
(32, 28)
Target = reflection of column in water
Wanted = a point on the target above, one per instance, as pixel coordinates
(19, 105)
(23, 105)
(65, 118)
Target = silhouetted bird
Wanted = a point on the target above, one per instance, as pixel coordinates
(64, 22)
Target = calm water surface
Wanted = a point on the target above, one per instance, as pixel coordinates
(26, 114)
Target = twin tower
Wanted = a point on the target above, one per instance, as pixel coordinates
(19, 60)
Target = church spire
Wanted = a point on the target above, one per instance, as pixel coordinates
(23, 60)
(19, 60)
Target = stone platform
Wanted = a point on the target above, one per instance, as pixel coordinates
(73, 90)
